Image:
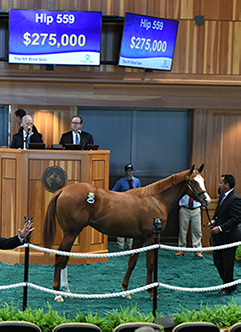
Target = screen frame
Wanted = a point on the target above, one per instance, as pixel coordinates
(147, 68)
(98, 52)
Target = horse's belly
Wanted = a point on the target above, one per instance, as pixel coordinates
(124, 228)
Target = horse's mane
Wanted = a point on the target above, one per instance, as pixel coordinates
(161, 185)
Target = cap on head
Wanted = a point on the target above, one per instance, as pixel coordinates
(129, 166)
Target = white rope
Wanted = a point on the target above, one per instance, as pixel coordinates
(221, 247)
(133, 251)
(201, 289)
(113, 254)
(93, 296)
(21, 284)
(123, 293)
(123, 253)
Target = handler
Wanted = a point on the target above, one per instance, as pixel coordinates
(224, 229)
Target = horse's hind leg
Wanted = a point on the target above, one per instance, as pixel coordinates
(131, 265)
(64, 280)
(61, 262)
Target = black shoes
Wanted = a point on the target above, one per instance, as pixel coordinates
(227, 291)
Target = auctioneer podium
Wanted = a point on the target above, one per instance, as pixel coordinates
(28, 180)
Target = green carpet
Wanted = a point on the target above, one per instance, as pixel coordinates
(101, 278)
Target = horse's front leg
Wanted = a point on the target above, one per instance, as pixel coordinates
(131, 265)
(149, 269)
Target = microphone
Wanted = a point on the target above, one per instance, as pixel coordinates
(82, 142)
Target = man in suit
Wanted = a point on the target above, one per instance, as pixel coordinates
(224, 229)
(16, 240)
(27, 135)
(77, 135)
(18, 115)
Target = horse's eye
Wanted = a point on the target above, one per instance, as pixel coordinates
(193, 181)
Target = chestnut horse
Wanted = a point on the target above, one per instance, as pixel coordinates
(126, 214)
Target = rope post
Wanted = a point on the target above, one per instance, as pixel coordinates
(157, 227)
(26, 265)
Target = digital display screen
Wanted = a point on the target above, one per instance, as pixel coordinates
(54, 37)
(148, 42)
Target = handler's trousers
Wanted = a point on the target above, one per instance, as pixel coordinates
(194, 216)
(121, 242)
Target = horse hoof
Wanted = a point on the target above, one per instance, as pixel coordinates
(69, 297)
(58, 298)
(156, 298)
(127, 296)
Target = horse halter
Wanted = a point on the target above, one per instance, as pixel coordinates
(196, 193)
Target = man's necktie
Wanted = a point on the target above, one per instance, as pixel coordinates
(222, 199)
(27, 142)
(130, 184)
(76, 139)
(190, 202)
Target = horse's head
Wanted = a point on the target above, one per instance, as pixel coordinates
(196, 186)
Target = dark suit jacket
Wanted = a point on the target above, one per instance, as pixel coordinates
(68, 138)
(17, 141)
(228, 216)
(35, 130)
(10, 243)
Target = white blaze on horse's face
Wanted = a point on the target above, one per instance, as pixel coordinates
(200, 180)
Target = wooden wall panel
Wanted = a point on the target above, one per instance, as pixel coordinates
(187, 45)
(236, 49)
(215, 48)
(218, 9)
(37, 208)
(8, 209)
(216, 143)
(37, 167)
(9, 168)
(72, 169)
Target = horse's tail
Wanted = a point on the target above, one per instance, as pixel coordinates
(50, 222)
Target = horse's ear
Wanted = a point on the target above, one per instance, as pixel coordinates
(201, 168)
(192, 169)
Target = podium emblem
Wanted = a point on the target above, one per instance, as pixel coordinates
(54, 178)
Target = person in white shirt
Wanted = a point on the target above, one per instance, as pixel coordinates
(189, 212)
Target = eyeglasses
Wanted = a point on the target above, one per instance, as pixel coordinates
(75, 122)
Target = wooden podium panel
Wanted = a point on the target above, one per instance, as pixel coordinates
(22, 193)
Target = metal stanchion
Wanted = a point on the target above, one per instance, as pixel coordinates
(157, 226)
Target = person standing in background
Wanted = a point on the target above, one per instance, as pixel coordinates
(126, 183)
(18, 116)
(189, 212)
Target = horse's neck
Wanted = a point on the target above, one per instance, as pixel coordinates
(164, 184)
(171, 196)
